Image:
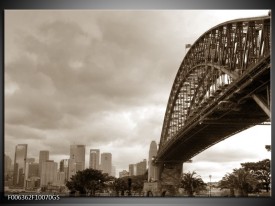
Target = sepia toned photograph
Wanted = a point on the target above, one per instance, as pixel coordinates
(137, 103)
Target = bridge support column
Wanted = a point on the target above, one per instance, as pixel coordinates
(169, 178)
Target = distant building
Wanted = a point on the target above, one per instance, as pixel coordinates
(106, 163)
(132, 169)
(32, 170)
(77, 155)
(94, 159)
(152, 169)
(7, 165)
(113, 171)
(49, 173)
(43, 156)
(61, 179)
(32, 183)
(32, 178)
(141, 167)
(20, 165)
(123, 173)
(71, 168)
(64, 167)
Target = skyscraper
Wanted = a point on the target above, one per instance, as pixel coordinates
(106, 163)
(20, 165)
(31, 174)
(152, 153)
(141, 167)
(48, 173)
(71, 168)
(132, 169)
(77, 155)
(7, 165)
(33, 170)
(43, 156)
(64, 167)
(94, 159)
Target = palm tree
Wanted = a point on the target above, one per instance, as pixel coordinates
(191, 183)
(240, 181)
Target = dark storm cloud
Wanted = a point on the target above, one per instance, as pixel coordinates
(72, 73)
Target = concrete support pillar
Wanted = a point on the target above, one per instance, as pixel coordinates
(170, 176)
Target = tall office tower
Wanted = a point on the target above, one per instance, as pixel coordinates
(20, 165)
(77, 154)
(31, 174)
(71, 168)
(7, 165)
(43, 156)
(48, 173)
(64, 167)
(60, 181)
(32, 170)
(106, 163)
(141, 167)
(132, 169)
(94, 159)
(151, 168)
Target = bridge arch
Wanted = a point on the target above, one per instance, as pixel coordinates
(217, 58)
(223, 77)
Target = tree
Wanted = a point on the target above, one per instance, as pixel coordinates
(268, 148)
(240, 181)
(261, 171)
(192, 183)
(138, 183)
(87, 182)
(119, 185)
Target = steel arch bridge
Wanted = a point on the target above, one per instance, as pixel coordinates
(221, 88)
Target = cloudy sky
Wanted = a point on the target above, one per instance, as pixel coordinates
(103, 78)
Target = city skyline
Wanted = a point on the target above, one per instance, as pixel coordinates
(102, 79)
(44, 156)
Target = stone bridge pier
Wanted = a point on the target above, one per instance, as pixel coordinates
(168, 176)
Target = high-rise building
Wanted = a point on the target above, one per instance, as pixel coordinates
(31, 174)
(132, 169)
(64, 167)
(94, 159)
(151, 168)
(77, 154)
(106, 163)
(71, 168)
(20, 165)
(7, 165)
(141, 167)
(61, 179)
(48, 173)
(32, 170)
(43, 156)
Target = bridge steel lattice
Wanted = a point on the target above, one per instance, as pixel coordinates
(221, 88)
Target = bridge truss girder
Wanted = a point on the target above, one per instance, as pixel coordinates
(218, 59)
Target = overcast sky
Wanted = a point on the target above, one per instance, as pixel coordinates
(102, 79)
